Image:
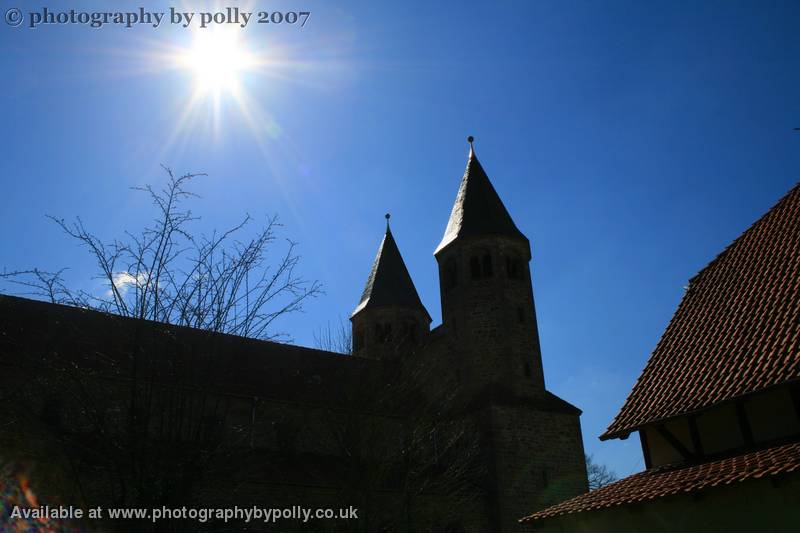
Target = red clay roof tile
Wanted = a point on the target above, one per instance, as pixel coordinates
(736, 331)
(665, 481)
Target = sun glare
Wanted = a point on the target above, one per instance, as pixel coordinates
(224, 82)
(218, 59)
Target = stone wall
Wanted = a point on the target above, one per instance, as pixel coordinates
(491, 317)
(539, 459)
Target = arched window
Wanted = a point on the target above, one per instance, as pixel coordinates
(383, 332)
(514, 267)
(487, 266)
(475, 267)
(409, 332)
(480, 266)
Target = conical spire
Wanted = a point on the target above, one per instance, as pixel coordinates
(389, 283)
(478, 209)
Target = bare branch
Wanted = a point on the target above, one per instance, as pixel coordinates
(166, 273)
(599, 475)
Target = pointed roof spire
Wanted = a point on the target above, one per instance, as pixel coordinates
(389, 284)
(478, 209)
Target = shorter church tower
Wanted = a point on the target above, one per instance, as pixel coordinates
(390, 317)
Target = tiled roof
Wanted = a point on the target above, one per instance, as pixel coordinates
(736, 331)
(663, 481)
(389, 283)
(478, 210)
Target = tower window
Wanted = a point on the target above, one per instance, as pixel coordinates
(527, 369)
(520, 315)
(475, 267)
(383, 332)
(514, 267)
(409, 332)
(487, 266)
(481, 266)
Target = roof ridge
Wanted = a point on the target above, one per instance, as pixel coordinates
(715, 313)
(795, 189)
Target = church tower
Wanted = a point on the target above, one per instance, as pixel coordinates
(486, 292)
(390, 317)
(531, 437)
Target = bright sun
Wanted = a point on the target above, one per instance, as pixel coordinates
(227, 76)
(218, 59)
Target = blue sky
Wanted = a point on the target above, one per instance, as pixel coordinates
(630, 141)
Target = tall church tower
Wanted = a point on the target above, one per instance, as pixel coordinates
(532, 438)
(390, 316)
(486, 293)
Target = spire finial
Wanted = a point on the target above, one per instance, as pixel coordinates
(387, 216)
(470, 140)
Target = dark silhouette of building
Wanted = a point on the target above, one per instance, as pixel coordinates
(487, 345)
(448, 429)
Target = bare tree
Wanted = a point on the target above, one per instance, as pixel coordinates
(167, 274)
(337, 339)
(139, 426)
(599, 475)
